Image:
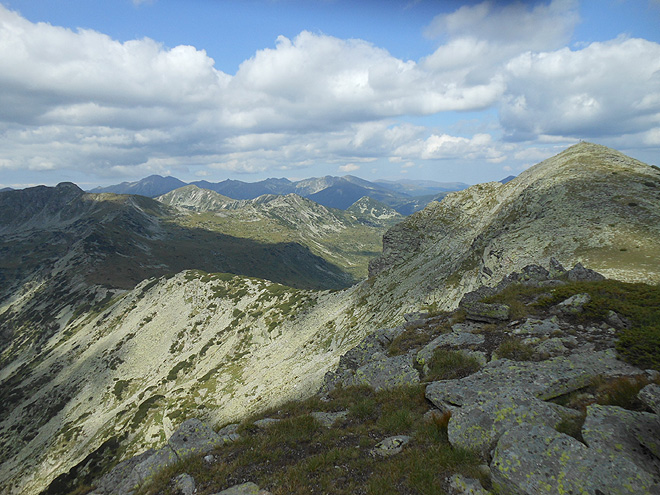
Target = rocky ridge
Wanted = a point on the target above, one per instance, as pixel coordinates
(589, 204)
(532, 417)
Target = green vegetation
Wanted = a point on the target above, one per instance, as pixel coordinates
(449, 365)
(639, 303)
(639, 344)
(514, 349)
(299, 456)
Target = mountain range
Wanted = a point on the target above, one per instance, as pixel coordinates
(405, 196)
(116, 326)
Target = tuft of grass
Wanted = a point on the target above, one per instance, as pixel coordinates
(514, 349)
(572, 426)
(298, 456)
(449, 365)
(408, 339)
(620, 392)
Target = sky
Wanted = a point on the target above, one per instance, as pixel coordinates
(99, 92)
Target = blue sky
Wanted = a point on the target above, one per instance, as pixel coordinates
(102, 92)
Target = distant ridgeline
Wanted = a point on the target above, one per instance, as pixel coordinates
(405, 196)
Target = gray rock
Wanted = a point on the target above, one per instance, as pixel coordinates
(266, 422)
(327, 419)
(194, 437)
(248, 488)
(122, 479)
(386, 373)
(551, 347)
(155, 463)
(488, 313)
(390, 446)
(555, 269)
(479, 426)
(573, 305)
(466, 486)
(650, 395)
(616, 320)
(544, 380)
(537, 459)
(538, 327)
(452, 340)
(581, 274)
(184, 484)
(614, 431)
(534, 273)
(415, 316)
(229, 434)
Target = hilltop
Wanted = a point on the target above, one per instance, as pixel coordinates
(222, 347)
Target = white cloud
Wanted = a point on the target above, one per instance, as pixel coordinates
(604, 89)
(80, 100)
(349, 167)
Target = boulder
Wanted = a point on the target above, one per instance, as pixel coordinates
(328, 419)
(452, 340)
(541, 328)
(154, 464)
(544, 380)
(650, 395)
(184, 484)
(533, 459)
(384, 373)
(194, 437)
(573, 305)
(122, 479)
(479, 426)
(390, 446)
(581, 274)
(614, 431)
(466, 486)
(488, 313)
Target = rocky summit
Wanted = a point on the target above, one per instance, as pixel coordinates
(468, 315)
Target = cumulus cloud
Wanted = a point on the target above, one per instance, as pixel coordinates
(609, 88)
(81, 100)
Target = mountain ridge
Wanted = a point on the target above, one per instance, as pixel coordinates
(225, 346)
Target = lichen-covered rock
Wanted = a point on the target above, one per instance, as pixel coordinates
(452, 340)
(184, 484)
(390, 446)
(538, 327)
(385, 373)
(194, 437)
(614, 431)
(327, 419)
(544, 380)
(551, 347)
(155, 463)
(650, 395)
(466, 486)
(479, 426)
(489, 313)
(530, 460)
(572, 305)
(229, 433)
